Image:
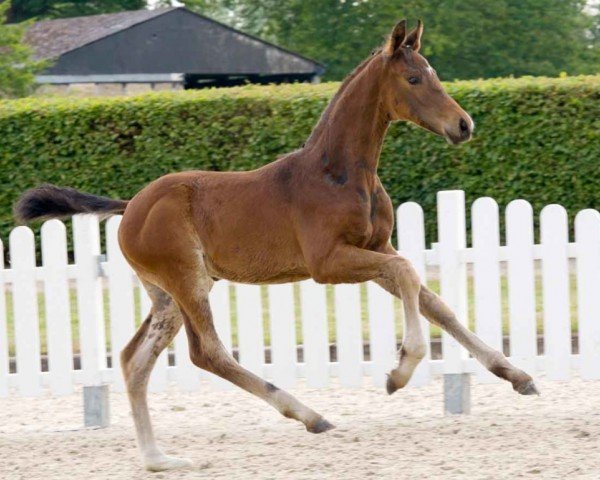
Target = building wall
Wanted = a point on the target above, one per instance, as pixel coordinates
(105, 89)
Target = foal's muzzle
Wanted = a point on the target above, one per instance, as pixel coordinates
(461, 132)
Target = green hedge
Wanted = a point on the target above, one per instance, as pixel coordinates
(536, 138)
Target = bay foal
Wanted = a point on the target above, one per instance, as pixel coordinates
(320, 212)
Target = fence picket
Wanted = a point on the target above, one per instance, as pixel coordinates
(486, 276)
(4, 347)
(58, 311)
(382, 333)
(587, 232)
(555, 274)
(250, 328)
(315, 333)
(283, 334)
(411, 242)
(90, 305)
(348, 334)
(25, 308)
(521, 285)
(453, 272)
(121, 299)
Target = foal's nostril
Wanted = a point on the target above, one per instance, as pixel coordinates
(464, 126)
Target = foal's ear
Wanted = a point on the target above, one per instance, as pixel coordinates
(413, 39)
(396, 38)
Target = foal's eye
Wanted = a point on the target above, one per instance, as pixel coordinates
(413, 80)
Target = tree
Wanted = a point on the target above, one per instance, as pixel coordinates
(513, 37)
(466, 39)
(26, 9)
(17, 68)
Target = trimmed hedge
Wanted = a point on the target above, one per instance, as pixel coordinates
(536, 138)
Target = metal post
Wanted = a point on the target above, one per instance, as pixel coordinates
(457, 393)
(96, 406)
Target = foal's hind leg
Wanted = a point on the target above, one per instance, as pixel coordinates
(137, 360)
(208, 353)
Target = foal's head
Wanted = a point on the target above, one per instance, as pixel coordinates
(413, 91)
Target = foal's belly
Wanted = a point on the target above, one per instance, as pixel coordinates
(257, 268)
(253, 252)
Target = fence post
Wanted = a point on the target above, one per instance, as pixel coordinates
(86, 240)
(453, 286)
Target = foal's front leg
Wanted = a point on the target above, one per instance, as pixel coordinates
(348, 264)
(437, 312)
(413, 348)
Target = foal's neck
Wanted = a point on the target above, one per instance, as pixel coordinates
(351, 133)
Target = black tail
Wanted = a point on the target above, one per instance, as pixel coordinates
(49, 201)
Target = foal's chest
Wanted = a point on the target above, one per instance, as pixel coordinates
(370, 220)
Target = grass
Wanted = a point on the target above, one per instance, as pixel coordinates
(330, 293)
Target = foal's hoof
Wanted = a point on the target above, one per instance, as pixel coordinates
(320, 426)
(527, 388)
(164, 462)
(390, 385)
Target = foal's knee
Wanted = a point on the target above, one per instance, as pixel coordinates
(407, 276)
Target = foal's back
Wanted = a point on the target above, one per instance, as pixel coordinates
(240, 222)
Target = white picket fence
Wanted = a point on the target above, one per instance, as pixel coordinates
(93, 275)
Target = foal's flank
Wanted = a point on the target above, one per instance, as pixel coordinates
(320, 212)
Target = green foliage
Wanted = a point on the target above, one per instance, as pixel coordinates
(39, 9)
(466, 39)
(537, 139)
(17, 68)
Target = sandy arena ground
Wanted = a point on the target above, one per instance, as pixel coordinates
(233, 435)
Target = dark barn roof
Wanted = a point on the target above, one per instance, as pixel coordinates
(161, 41)
(52, 38)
